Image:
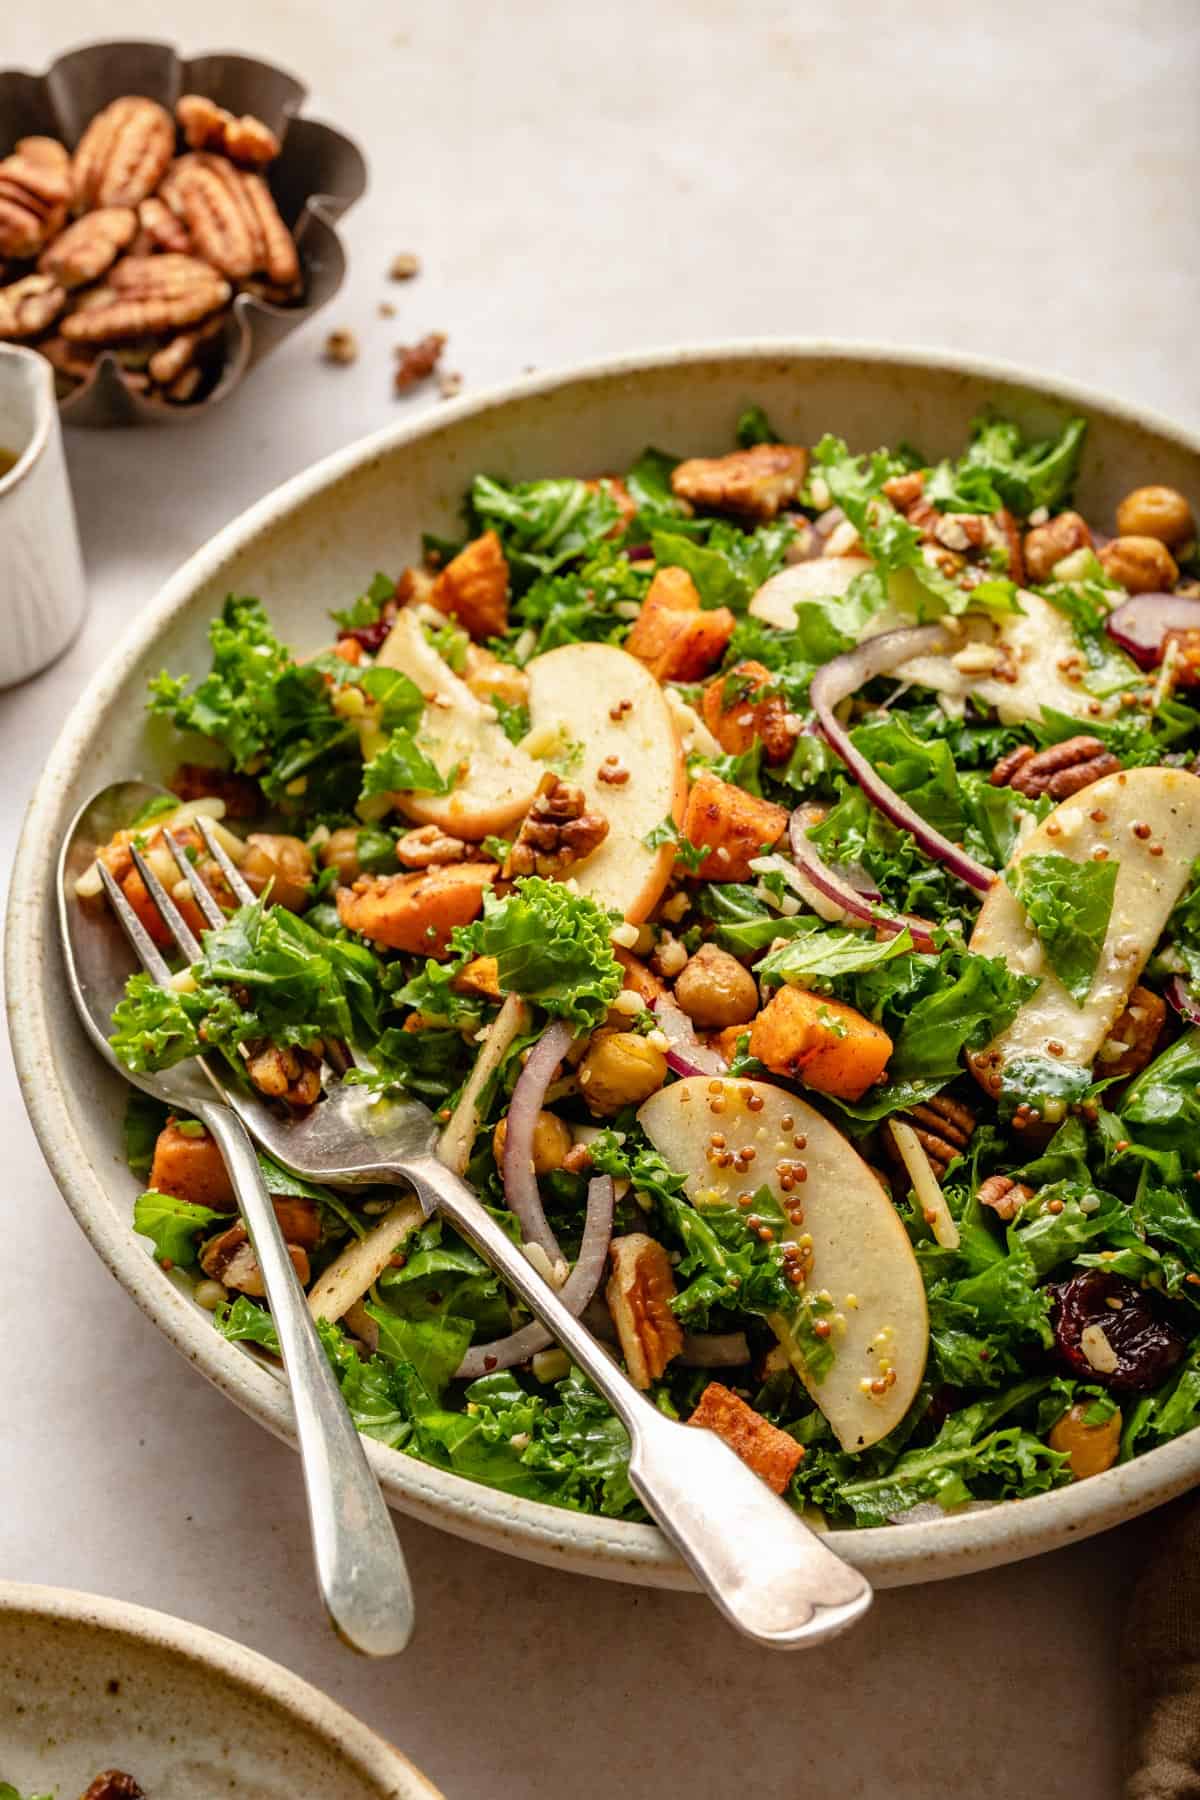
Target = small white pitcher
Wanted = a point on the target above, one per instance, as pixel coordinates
(42, 590)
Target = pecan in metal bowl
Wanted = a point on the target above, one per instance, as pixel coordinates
(164, 223)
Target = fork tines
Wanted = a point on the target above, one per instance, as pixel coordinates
(173, 920)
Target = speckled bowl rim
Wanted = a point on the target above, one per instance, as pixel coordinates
(609, 1548)
(365, 1753)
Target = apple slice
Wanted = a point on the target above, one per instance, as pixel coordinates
(593, 707)
(1017, 664)
(860, 1253)
(826, 577)
(1147, 821)
(459, 730)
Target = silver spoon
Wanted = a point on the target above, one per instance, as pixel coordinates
(360, 1566)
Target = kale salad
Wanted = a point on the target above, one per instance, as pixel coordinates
(776, 870)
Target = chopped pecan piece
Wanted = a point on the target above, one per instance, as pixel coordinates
(944, 1127)
(473, 587)
(1004, 1196)
(289, 1074)
(905, 490)
(123, 154)
(1047, 544)
(230, 1259)
(771, 1453)
(91, 245)
(429, 847)
(756, 482)
(639, 1294)
(1060, 771)
(1131, 1042)
(416, 362)
(207, 126)
(28, 306)
(113, 1784)
(1183, 644)
(558, 831)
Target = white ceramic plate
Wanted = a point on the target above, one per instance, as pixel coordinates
(314, 543)
(89, 1684)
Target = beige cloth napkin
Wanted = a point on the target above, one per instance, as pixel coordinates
(1160, 1665)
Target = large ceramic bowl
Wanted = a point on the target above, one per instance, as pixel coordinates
(89, 1684)
(321, 536)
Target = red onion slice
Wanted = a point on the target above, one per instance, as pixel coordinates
(1178, 994)
(1140, 624)
(687, 1055)
(857, 902)
(575, 1293)
(843, 677)
(714, 1350)
(520, 1182)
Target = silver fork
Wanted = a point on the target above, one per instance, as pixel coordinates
(361, 1573)
(772, 1577)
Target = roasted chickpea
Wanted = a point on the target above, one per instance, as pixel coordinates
(1156, 512)
(1091, 1448)
(1047, 544)
(1142, 565)
(340, 852)
(285, 862)
(620, 1069)
(716, 991)
(551, 1143)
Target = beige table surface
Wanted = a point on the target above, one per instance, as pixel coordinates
(1016, 179)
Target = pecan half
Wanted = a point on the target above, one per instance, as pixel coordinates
(35, 186)
(178, 357)
(558, 831)
(145, 295)
(944, 1127)
(1003, 1196)
(91, 245)
(207, 126)
(1060, 771)
(164, 229)
(755, 482)
(207, 194)
(123, 154)
(28, 306)
(429, 847)
(1131, 1043)
(280, 259)
(639, 1294)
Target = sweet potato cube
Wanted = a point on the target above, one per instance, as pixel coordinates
(771, 1453)
(188, 1164)
(738, 711)
(675, 639)
(416, 912)
(820, 1042)
(733, 826)
(473, 588)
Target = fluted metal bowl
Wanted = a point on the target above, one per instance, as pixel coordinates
(318, 174)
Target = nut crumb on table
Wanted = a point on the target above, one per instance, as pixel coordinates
(417, 362)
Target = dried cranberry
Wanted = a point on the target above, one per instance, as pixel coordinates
(1145, 1346)
(372, 637)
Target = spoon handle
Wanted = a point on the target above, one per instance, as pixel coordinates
(768, 1572)
(360, 1566)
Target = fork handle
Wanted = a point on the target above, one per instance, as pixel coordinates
(767, 1571)
(360, 1566)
